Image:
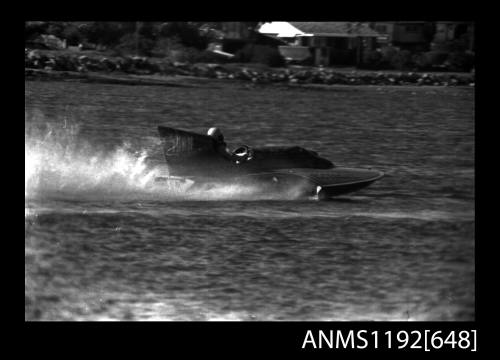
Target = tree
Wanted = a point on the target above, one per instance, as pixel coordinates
(135, 44)
(56, 29)
(147, 30)
(104, 32)
(188, 34)
(33, 29)
(72, 34)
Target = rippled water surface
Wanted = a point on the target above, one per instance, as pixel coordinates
(104, 241)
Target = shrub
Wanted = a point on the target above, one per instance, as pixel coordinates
(389, 58)
(183, 54)
(402, 60)
(420, 61)
(373, 60)
(163, 46)
(262, 54)
(210, 57)
(135, 45)
(457, 45)
(174, 51)
(431, 60)
(460, 61)
(388, 54)
(436, 58)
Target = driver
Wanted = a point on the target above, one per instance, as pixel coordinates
(221, 147)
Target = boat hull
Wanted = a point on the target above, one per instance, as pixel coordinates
(274, 169)
(325, 184)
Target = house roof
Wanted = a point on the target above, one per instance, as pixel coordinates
(280, 29)
(346, 29)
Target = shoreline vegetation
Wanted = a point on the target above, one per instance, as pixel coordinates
(128, 70)
(91, 66)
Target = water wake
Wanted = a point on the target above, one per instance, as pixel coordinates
(60, 165)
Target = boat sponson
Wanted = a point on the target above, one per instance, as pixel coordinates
(337, 176)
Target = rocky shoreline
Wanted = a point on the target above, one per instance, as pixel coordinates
(150, 71)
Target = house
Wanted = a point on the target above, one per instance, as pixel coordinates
(423, 35)
(407, 35)
(452, 30)
(329, 43)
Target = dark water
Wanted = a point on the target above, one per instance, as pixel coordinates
(103, 241)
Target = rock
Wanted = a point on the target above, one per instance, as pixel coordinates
(138, 59)
(33, 54)
(216, 67)
(283, 77)
(427, 80)
(244, 74)
(179, 64)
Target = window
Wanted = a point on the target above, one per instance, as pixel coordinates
(318, 41)
(412, 28)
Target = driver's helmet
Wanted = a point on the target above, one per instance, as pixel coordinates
(216, 134)
(244, 152)
(241, 151)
